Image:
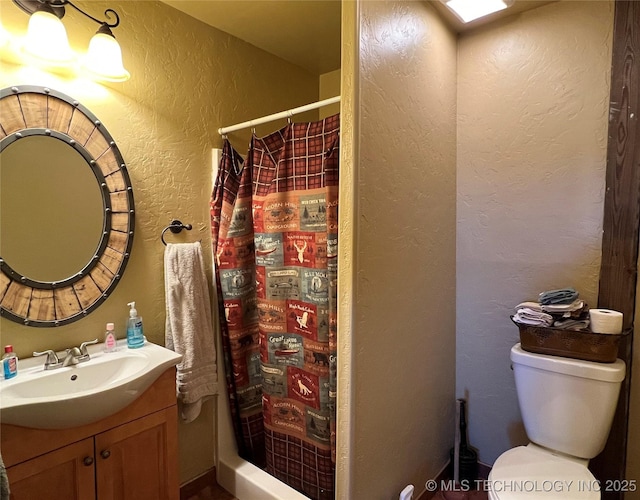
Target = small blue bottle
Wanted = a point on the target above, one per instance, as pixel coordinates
(9, 363)
(135, 335)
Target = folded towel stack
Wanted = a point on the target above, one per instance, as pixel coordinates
(560, 308)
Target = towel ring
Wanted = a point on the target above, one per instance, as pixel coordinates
(175, 227)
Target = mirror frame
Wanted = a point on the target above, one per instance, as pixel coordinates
(32, 110)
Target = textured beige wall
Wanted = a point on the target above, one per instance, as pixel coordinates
(533, 96)
(349, 160)
(403, 336)
(329, 87)
(188, 79)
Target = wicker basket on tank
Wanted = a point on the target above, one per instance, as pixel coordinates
(585, 345)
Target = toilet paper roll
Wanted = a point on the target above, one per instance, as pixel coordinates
(605, 321)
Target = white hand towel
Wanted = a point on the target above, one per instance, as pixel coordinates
(189, 329)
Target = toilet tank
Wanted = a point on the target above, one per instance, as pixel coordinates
(566, 404)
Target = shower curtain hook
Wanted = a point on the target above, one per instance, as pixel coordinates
(289, 116)
(253, 130)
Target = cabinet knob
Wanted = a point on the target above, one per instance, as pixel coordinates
(105, 454)
(87, 461)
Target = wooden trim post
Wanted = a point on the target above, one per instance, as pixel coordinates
(619, 268)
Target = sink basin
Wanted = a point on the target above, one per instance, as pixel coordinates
(83, 393)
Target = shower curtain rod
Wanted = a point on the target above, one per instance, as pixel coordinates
(277, 116)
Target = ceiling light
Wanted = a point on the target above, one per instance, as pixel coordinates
(47, 40)
(468, 10)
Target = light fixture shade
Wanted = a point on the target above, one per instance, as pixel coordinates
(468, 10)
(47, 39)
(4, 37)
(104, 59)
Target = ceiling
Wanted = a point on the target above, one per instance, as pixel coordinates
(304, 32)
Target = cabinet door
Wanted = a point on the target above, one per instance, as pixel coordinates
(64, 474)
(139, 460)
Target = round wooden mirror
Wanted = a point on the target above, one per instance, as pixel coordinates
(66, 211)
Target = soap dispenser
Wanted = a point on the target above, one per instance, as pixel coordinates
(135, 336)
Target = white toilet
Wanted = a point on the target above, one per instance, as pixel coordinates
(567, 407)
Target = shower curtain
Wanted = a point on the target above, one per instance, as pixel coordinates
(274, 220)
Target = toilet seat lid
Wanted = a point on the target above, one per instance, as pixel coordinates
(529, 472)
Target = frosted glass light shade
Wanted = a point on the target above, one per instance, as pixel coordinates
(47, 39)
(468, 10)
(4, 37)
(104, 59)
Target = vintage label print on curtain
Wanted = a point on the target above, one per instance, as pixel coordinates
(233, 245)
(295, 222)
(275, 225)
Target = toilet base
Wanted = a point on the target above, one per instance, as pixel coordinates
(532, 472)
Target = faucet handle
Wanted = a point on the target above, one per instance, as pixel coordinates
(83, 347)
(73, 351)
(73, 357)
(52, 358)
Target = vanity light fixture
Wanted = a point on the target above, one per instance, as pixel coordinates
(47, 40)
(469, 10)
(4, 37)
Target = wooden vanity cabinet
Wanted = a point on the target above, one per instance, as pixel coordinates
(131, 455)
(58, 474)
(132, 460)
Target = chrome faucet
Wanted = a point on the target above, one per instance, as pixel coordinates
(74, 356)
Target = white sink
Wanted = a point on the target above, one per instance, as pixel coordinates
(83, 393)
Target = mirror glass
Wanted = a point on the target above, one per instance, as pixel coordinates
(51, 213)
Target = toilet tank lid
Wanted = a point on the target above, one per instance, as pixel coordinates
(607, 372)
